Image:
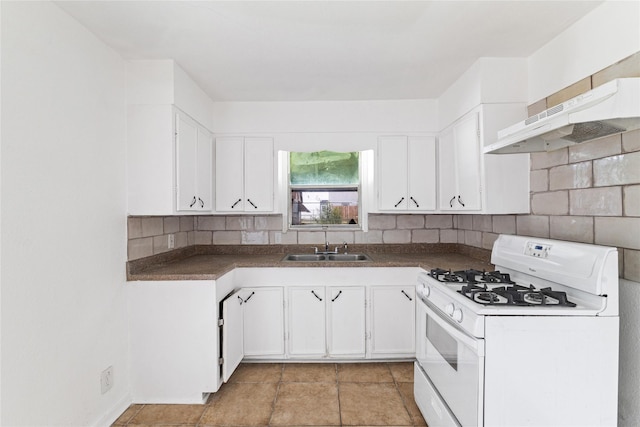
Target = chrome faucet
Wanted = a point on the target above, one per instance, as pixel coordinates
(326, 241)
(326, 245)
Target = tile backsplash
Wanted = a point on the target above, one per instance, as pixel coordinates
(150, 235)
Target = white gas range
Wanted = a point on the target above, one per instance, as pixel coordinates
(534, 343)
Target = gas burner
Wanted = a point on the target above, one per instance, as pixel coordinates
(487, 297)
(445, 276)
(534, 298)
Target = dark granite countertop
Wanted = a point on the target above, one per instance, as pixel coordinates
(211, 262)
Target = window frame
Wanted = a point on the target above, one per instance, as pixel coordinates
(365, 167)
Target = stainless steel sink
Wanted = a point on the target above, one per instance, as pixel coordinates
(304, 257)
(348, 257)
(326, 257)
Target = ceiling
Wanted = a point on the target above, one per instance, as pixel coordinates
(325, 50)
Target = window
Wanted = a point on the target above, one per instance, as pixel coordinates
(324, 189)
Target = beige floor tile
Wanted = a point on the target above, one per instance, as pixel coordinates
(309, 372)
(241, 404)
(364, 373)
(402, 372)
(372, 404)
(306, 404)
(168, 415)
(127, 415)
(257, 373)
(406, 391)
(161, 424)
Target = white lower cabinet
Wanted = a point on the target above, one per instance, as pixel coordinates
(196, 332)
(346, 321)
(252, 326)
(263, 321)
(307, 330)
(173, 341)
(327, 321)
(393, 319)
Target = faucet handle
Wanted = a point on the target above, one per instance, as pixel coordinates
(345, 247)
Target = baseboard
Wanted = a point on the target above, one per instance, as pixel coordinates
(111, 415)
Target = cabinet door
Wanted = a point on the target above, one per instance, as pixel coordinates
(422, 174)
(393, 320)
(204, 166)
(232, 334)
(258, 174)
(447, 184)
(467, 145)
(392, 173)
(263, 321)
(346, 321)
(307, 321)
(229, 174)
(186, 163)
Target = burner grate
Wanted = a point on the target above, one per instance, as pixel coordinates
(476, 287)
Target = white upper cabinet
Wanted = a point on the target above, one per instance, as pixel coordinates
(169, 145)
(194, 164)
(169, 161)
(406, 173)
(459, 160)
(244, 174)
(470, 181)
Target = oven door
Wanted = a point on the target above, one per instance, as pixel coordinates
(454, 363)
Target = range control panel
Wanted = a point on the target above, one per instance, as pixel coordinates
(537, 250)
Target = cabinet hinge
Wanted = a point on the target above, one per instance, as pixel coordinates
(220, 322)
(221, 361)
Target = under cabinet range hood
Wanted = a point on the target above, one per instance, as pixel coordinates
(611, 108)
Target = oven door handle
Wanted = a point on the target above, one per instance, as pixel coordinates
(477, 344)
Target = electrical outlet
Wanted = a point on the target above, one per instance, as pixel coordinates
(171, 241)
(106, 380)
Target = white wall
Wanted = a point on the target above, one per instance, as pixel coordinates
(418, 115)
(63, 221)
(606, 35)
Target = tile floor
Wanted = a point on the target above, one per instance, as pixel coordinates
(297, 394)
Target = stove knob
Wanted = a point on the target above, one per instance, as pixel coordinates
(426, 291)
(457, 315)
(449, 309)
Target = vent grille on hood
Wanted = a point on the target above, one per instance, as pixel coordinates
(587, 131)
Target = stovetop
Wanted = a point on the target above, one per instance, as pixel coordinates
(494, 288)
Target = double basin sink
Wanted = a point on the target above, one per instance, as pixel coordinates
(327, 257)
